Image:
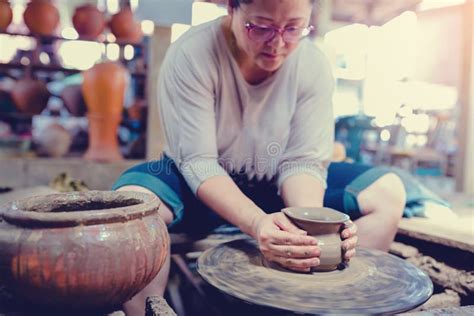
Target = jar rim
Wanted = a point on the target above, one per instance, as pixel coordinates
(316, 215)
(45, 210)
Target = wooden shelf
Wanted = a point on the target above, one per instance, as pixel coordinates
(60, 38)
(455, 232)
(55, 68)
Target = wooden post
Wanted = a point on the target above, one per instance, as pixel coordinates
(464, 172)
(159, 44)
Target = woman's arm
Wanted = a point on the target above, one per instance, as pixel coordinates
(223, 196)
(302, 190)
(278, 239)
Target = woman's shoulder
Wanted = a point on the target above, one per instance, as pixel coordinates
(313, 68)
(312, 57)
(198, 43)
(312, 63)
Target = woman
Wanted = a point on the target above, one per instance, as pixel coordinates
(246, 107)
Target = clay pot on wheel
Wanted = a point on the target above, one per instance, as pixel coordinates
(103, 89)
(125, 28)
(30, 96)
(325, 224)
(41, 17)
(88, 21)
(5, 15)
(81, 251)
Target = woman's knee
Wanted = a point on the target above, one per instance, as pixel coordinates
(385, 196)
(165, 213)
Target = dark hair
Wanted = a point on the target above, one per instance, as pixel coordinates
(236, 3)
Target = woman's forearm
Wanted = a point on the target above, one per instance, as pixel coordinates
(224, 197)
(302, 190)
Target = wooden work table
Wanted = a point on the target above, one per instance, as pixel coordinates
(451, 232)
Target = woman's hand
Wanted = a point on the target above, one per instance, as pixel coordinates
(282, 242)
(349, 237)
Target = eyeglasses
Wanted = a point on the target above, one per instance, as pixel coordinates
(267, 33)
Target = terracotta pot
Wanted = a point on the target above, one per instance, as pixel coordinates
(88, 21)
(6, 15)
(103, 142)
(103, 89)
(125, 28)
(30, 96)
(53, 141)
(41, 17)
(73, 100)
(325, 225)
(88, 250)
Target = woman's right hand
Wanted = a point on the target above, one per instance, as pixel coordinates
(282, 242)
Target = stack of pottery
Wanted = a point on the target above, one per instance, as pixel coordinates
(104, 91)
(41, 17)
(88, 21)
(5, 15)
(124, 26)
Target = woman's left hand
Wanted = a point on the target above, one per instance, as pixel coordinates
(349, 240)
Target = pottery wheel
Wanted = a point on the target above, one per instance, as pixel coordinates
(373, 282)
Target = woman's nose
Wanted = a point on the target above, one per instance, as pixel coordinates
(277, 40)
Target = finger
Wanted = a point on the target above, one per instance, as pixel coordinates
(293, 264)
(280, 237)
(295, 251)
(350, 243)
(303, 270)
(348, 255)
(285, 224)
(350, 229)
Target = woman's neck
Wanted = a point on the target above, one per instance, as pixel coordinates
(250, 71)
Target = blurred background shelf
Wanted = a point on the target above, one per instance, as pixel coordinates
(43, 38)
(56, 68)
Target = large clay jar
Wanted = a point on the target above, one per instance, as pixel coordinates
(5, 15)
(125, 28)
(103, 89)
(81, 251)
(30, 96)
(325, 225)
(41, 17)
(88, 21)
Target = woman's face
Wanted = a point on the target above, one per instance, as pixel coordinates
(280, 14)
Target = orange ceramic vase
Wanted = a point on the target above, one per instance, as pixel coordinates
(88, 21)
(5, 15)
(104, 90)
(125, 28)
(41, 17)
